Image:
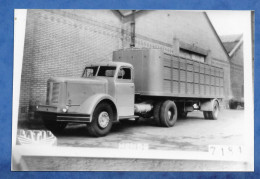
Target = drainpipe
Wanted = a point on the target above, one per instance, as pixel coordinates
(132, 44)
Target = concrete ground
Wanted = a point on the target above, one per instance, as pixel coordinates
(191, 134)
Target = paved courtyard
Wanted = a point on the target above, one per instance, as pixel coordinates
(193, 133)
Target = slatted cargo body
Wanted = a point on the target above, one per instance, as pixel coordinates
(191, 78)
(160, 74)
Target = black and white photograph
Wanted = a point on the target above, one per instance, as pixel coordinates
(133, 90)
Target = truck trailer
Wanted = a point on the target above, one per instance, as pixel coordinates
(137, 83)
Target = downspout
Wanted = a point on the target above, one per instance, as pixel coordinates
(132, 24)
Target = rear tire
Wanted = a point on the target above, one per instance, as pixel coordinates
(168, 114)
(214, 114)
(101, 121)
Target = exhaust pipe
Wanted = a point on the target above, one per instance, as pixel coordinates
(132, 44)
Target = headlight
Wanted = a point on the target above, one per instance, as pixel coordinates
(65, 109)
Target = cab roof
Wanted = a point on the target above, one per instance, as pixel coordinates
(117, 64)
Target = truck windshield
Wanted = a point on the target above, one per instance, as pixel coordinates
(89, 72)
(107, 71)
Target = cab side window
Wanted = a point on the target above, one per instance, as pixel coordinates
(124, 73)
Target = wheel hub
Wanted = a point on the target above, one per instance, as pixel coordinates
(169, 114)
(103, 119)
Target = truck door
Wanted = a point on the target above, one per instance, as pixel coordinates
(124, 92)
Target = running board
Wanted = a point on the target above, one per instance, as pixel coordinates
(127, 117)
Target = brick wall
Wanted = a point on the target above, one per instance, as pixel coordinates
(62, 42)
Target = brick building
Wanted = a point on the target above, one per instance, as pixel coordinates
(62, 42)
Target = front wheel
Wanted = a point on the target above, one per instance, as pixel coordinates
(101, 121)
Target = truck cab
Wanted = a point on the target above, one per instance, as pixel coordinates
(102, 95)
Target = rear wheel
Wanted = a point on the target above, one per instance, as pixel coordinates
(101, 121)
(214, 114)
(168, 114)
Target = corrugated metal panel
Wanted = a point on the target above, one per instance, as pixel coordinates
(196, 67)
(175, 74)
(202, 68)
(189, 76)
(189, 67)
(167, 73)
(207, 69)
(167, 86)
(202, 90)
(175, 87)
(175, 62)
(167, 62)
(207, 81)
(221, 82)
(212, 90)
(182, 64)
(212, 80)
(182, 88)
(182, 75)
(196, 78)
(212, 71)
(202, 79)
(190, 88)
(217, 90)
(196, 89)
(207, 89)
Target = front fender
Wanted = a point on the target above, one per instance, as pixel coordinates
(89, 105)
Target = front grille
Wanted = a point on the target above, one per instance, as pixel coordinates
(55, 93)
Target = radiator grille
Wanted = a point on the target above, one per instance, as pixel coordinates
(55, 93)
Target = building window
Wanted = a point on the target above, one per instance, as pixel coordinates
(192, 55)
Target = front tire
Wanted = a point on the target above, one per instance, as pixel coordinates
(168, 114)
(101, 121)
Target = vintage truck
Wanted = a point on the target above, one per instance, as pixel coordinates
(137, 83)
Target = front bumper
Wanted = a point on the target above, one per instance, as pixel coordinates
(50, 113)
